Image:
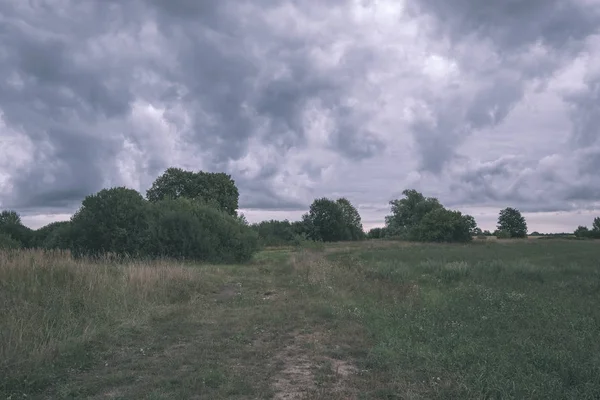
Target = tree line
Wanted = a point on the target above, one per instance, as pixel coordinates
(194, 215)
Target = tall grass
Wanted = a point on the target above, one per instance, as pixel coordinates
(52, 305)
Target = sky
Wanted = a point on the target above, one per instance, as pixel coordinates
(484, 105)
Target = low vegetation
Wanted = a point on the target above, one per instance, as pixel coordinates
(361, 320)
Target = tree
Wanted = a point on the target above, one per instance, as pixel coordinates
(216, 189)
(9, 217)
(351, 220)
(112, 220)
(441, 225)
(275, 233)
(511, 221)
(8, 243)
(596, 225)
(187, 229)
(325, 221)
(472, 224)
(582, 232)
(10, 225)
(408, 212)
(376, 233)
(55, 235)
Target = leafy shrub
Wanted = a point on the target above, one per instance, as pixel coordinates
(441, 225)
(188, 229)
(110, 221)
(7, 242)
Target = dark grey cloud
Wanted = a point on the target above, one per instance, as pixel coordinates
(302, 99)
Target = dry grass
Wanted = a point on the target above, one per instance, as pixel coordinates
(49, 300)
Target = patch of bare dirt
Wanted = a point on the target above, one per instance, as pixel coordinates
(227, 292)
(300, 362)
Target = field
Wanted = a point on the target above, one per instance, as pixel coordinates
(373, 320)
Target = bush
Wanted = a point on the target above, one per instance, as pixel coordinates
(110, 221)
(275, 233)
(188, 229)
(8, 243)
(441, 225)
(56, 235)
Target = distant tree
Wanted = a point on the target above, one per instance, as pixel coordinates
(275, 233)
(112, 220)
(216, 189)
(376, 233)
(535, 233)
(511, 221)
(10, 225)
(352, 220)
(325, 221)
(55, 235)
(441, 225)
(409, 211)
(596, 225)
(9, 217)
(472, 224)
(502, 234)
(487, 233)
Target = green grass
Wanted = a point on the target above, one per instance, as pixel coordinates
(374, 320)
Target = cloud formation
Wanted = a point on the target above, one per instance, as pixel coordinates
(484, 105)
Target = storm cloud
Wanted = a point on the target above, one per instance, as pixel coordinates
(482, 104)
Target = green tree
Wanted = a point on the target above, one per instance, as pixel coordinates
(582, 232)
(8, 243)
(216, 189)
(55, 235)
(408, 212)
(9, 217)
(275, 233)
(325, 221)
(441, 225)
(10, 225)
(112, 220)
(596, 225)
(511, 221)
(376, 233)
(352, 220)
(187, 229)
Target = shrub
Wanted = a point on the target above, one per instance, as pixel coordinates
(7, 242)
(110, 221)
(441, 225)
(188, 229)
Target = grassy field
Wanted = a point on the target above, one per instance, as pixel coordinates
(374, 320)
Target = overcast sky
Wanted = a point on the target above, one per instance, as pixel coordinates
(483, 104)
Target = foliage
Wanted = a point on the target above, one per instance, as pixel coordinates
(442, 225)
(275, 233)
(584, 232)
(352, 220)
(332, 221)
(7, 242)
(420, 218)
(9, 217)
(186, 229)
(112, 220)
(376, 233)
(510, 220)
(56, 235)
(217, 189)
(501, 234)
(408, 212)
(10, 225)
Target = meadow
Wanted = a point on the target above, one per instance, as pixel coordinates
(365, 320)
